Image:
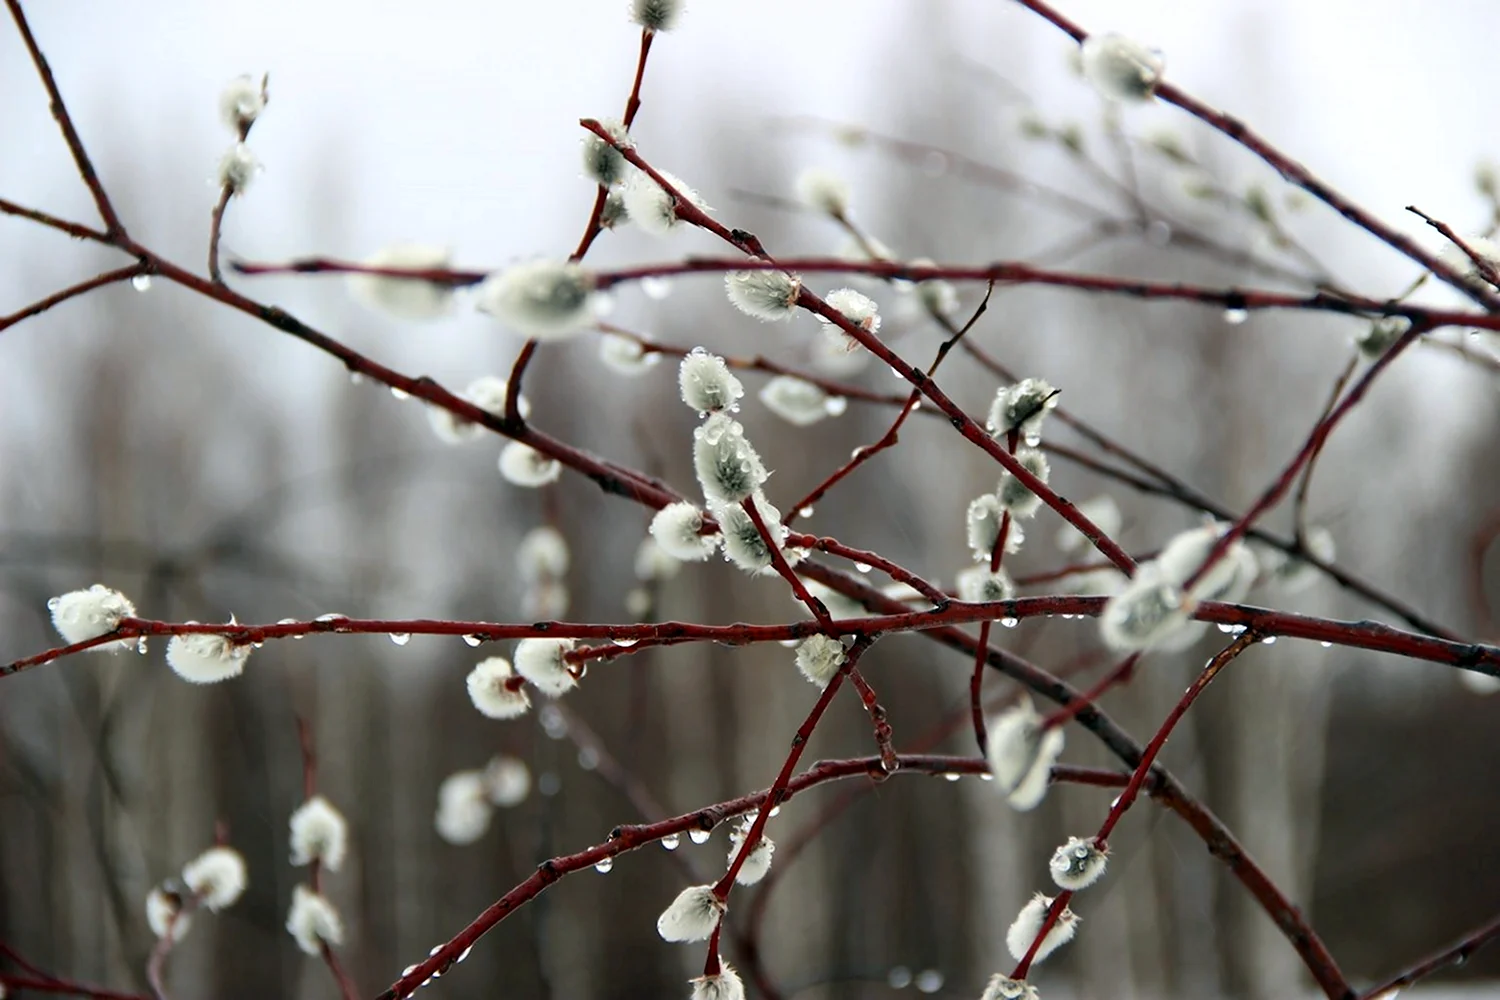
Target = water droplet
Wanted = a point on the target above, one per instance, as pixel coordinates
(775, 811)
(1326, 645)
(472, 640)
(141, 282)
(986, 776)
(860, 567)
(549, 784)
(434, 950)
(1008, 622)
(1234, 317)
(929, 981)
(915, 406)
(699, 836)
(1269, 640)
(140, 644)
(805, 512)
(604, 865)
(1225, 628)
(627, 643)
(463, 954)
(588, 758)
(671, 841)
(408, 970)
(400, 393)
(899, 978)
(1158, 233)
(951, 777)
(656, 287)
(401, 638)
(355, 378)
(1032, 440)
(835, 405)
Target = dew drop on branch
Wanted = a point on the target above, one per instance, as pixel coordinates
(141, 282)
(472, 640)
(656, 288)
(604, 865)
(1234, 317)
(400, 393)
(671, 841)
(699, 836)
(400, 638)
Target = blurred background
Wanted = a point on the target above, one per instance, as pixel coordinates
(206, 465)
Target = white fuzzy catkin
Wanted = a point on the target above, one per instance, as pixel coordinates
(759, 861)
(1120, 68)
(1458, 260)
(1228, 579)
(982, 524)
(486, 392)
(1022, 407)
(728, 467)
(541, 662)
(1016, 496)
(313, 921)
(935, 294)
(725, 986)
(799, 402)
(164, 912)
(319, 833)
(1146, 612)
(217, 877)
(204, 658)
(823, 191)
(653, 563)
(614, 213)
(463, 813)
(656, 15)
(541, 299)
(1077, 864)
(649, 205)
(507, 781)
(241, 102)
(625, 355)
(692, 916)
(542, 554)
(676, 528)
(1028, 924)
(819, 658)
(1294, 574)
(767, 295)
(744, 545)
(490, 693)
(1021, 754)
(548, 599)
(706, 383)
(522, 465)
(81, 615)
(1103, 511)
(237, 168)
(1005, 988)
(603, 163)
(406, 298)
(856, 307)
(977, 585)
